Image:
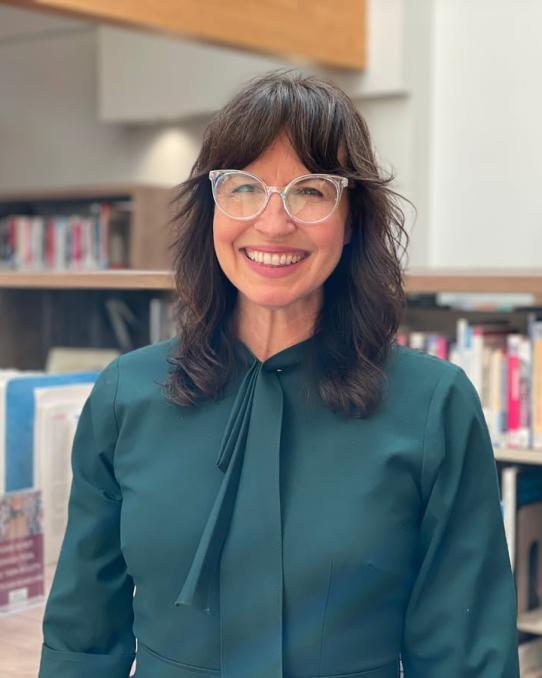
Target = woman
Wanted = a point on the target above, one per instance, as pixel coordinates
(304, 497)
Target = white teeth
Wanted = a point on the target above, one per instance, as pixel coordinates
(273, 259)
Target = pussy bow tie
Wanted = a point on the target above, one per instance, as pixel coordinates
(241, 542)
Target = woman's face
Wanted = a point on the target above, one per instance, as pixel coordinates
(320, 244)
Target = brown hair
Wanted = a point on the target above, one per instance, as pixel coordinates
(363, 297)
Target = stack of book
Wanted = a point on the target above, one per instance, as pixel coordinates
(94, 238)
(38, 418)
(505, 366)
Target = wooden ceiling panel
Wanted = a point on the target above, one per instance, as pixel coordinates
(328, 32)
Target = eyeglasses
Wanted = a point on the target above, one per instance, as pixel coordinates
(309, 198)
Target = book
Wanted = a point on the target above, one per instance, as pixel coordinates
(520, 486)
(22, 579)
(508, 479)
(95, 237)
(57, 413)
(536, 391)
(530, 658)
(495, 412)
(519, 366)
(17, 426)
(63, 359)
(484, 301)
(528, 567)
(5, 376)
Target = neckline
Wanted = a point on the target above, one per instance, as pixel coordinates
(286, 357)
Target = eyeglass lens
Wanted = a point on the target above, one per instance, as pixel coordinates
(308, 199)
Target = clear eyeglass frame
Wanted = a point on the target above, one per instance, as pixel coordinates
(340, 184)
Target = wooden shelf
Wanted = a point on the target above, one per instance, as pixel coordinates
(524, 456)
(531, 622)
(418, 281)
(67, 193)
(431, 281)
(120, 279)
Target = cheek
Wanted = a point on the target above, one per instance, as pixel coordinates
(330, 242)
(224, 235)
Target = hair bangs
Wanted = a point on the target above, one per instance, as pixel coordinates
(266, 108)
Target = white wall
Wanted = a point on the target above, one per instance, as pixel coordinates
(50, 134)
(487, 135)
(461, 128)
(146, 76)
(452, 100)
(50, 128)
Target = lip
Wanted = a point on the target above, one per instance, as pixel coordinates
(272, 271)
(274, 249)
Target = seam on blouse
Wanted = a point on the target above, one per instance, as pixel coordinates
(324, 620)
(426, 426)
(115, 416)
(117, 427)
(175, 662)
(68, 655)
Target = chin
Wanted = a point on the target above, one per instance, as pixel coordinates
(272, 299)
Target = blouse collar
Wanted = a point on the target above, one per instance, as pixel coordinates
(285, 358)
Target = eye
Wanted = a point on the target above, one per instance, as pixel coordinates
(314, 189)
(308, 190)
(247, 188)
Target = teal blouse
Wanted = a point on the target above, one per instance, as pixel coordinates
(261, 535)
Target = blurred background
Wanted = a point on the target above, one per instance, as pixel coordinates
(102, 110)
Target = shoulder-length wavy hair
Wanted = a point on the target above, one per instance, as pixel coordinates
(363, 298)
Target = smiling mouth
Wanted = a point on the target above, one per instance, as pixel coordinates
(274, 259)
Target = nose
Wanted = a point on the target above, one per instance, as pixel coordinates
(274, 220)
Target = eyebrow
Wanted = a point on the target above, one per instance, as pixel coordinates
(303, 174)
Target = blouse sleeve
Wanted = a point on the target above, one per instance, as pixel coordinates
(461, 615)
(87, 625)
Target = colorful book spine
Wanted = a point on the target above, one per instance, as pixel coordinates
(513, 360)
(525, 367)
(80, 242)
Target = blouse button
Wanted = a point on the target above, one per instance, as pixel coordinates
(279, 369)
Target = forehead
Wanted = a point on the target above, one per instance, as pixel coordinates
(278, 162)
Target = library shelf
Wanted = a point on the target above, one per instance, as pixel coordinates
(417, 281)
(125, 279)
(74, 193)
(518, 456)
(531, 621)
(491, 280)
(150, 208)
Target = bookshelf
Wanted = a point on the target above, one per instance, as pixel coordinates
(531, 622)
(418, 281)
(45, 296)
(55, 299)
(40, 307)
(23, 288)
(518, 456)
(126, 279)
(149, 207)
(432, 281)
